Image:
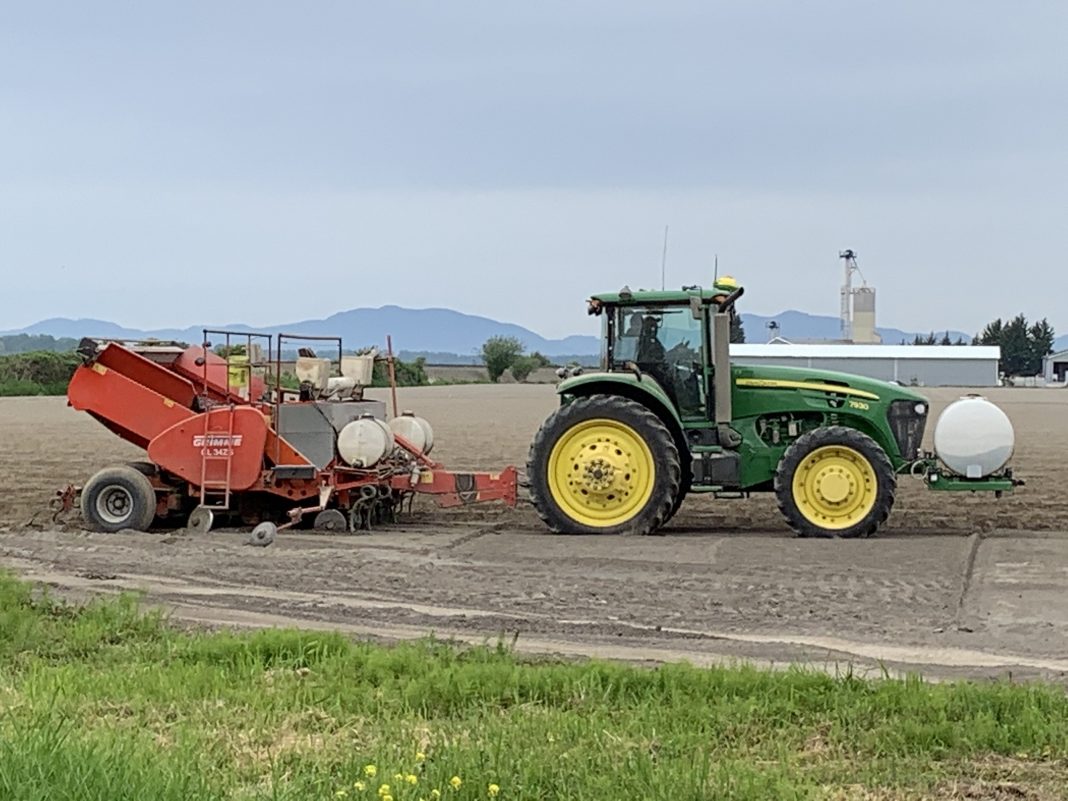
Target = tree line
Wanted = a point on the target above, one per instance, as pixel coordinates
(933, 339)
(47, 373)
(29, 343)
(1023, 346)
(40, 373)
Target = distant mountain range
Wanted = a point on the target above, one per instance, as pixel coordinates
(446, 335)
(441, 331)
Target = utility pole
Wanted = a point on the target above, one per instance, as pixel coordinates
(850, 259)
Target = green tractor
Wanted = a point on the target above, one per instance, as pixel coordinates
(668, 415)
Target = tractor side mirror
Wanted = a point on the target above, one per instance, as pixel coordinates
(695, 308)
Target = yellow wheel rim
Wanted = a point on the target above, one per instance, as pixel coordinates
(835, 487)
(601, 473)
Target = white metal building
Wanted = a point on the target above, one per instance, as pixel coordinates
(1055, 367)
(918, 365)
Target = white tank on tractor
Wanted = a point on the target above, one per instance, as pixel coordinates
(973, 437)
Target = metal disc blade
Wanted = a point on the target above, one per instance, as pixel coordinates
(330, 520)
(262, 535)
(200, 520)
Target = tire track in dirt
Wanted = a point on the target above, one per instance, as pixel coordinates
(182, 598)
(825, 607)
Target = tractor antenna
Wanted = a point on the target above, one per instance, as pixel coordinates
(663, 261)
(715, 274)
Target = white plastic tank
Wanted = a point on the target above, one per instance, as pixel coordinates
(365, 442)
(359, 368)
(973, 437)
(414, 429)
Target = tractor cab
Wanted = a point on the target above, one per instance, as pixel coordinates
(670, 337)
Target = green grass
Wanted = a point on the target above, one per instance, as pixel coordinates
(107, 702)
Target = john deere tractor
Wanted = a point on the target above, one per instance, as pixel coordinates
(668, 415)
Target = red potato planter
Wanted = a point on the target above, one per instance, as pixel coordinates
(222, 443)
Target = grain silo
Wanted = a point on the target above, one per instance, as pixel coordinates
(858, 305)
(864, 316)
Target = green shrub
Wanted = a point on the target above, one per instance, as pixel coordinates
(37, 373)
(409, 374)
(499, 354)
(523, 366)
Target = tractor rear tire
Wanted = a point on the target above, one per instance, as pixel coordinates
(604, 465)
(118, 498)
(835, 482)
(684, 490)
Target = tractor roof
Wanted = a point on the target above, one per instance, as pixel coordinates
(720, 288)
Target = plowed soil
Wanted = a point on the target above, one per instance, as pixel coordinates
(953, 585)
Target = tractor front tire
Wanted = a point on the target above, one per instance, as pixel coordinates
(118, 498)
(604, 465)
(835, 482)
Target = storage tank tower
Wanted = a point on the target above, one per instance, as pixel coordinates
(858, 305)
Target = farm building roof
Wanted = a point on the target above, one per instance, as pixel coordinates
(961, 352)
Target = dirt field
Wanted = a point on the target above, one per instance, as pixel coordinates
(954, 585)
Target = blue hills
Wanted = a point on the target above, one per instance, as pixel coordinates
(445, 335)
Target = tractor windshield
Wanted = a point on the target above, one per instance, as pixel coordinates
(665, 342)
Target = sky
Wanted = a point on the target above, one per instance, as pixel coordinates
(163, 165)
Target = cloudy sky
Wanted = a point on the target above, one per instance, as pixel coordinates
(169, 164)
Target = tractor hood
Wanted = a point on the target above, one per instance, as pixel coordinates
(756, 377)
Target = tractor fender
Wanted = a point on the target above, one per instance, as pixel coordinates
(644, 390)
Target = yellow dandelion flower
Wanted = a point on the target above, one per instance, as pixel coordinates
(411, 778)
(493, 790)
(398, 777)
(370, 771)
(387, 798)
(435, 793)
(420, 756)
(455, 781)
(383, 789)
(341, 793)
(359, 786)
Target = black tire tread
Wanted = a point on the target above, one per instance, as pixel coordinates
(680, 496)
(141, 491)
(641, 419)
(886, 491)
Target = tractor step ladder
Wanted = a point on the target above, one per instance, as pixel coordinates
(215, 492)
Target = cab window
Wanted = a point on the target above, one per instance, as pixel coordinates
(666, 343)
